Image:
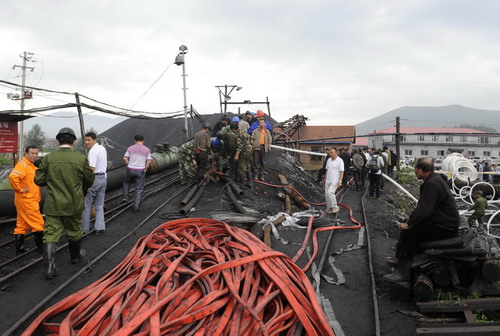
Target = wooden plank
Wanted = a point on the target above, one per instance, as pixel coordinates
(469, 318)
(485, 329)
(462, 305)
(459, 325)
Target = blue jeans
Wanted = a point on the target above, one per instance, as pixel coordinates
(137, 176)
(95, 195)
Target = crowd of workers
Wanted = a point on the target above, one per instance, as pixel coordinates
(75, 183)
(235, 147)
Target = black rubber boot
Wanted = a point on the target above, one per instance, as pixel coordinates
(39, 241)
(249, 183)
(402, 273)
(75, 252)
(49, 258)
(20, 244)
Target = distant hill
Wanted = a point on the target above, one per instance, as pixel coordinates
(52, 123)
(431, 116)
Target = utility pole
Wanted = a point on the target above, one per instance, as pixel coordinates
(397, 143)
(179, 60)
(26, 56)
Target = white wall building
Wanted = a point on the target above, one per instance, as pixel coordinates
(437, 142)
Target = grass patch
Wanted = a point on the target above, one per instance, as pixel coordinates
(406, 176)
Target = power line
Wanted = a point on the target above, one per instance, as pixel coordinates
(151, 85)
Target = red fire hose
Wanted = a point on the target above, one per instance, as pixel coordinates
(193, 276)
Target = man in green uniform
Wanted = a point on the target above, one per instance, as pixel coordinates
(67, 175)
(230, 148)
(187, 162)
(479, 208)
(243, 157)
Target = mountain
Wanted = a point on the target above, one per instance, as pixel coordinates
(51, 124)
(431, 116)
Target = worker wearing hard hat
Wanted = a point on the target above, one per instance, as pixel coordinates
(255, 125)
(261, 144)
(67, 175)
(27, 200)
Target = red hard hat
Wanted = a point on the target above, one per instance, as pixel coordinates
(260, 113)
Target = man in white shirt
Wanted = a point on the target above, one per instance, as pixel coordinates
(334, 174)
(98, 161)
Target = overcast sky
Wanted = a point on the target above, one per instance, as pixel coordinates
(337, 62)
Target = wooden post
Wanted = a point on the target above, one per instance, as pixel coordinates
(80, 116)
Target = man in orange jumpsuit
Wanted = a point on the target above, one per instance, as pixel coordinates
(27, 200)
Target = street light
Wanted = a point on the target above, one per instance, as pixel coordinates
(179, 60)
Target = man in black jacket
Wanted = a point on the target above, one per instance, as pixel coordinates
(435, 217)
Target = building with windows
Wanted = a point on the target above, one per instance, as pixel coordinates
(438, 142)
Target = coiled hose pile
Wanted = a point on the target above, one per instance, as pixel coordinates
(194, 276)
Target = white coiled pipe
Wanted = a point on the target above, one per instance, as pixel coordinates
(460, 168)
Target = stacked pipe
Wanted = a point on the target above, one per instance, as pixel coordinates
(293, 194)
(192, 197)
(197, 277)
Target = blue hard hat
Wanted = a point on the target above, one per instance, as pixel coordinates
(252, 113)
(235, 119)
(216, 142)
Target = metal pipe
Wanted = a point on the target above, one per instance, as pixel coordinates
(189, 195)
(194, 200)
(237, 204)
(401, 188)
(233, 185)
(298, 150)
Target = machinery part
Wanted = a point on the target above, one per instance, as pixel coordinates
(163, 160)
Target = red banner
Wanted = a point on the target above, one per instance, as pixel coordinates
(8, 137)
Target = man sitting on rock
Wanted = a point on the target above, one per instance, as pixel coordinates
(435, 218)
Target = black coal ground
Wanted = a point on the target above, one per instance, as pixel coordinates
(352, 301)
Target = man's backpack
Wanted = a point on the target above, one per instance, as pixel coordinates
(374, 165)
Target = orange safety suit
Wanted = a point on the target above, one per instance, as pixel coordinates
(27, 197)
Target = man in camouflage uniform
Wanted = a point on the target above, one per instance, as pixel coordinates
(243, 157)
(187, 162)
(217, 157)
(231, 143)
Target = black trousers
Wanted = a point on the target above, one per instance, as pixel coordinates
(360, 181)
(408, 242)
(202, 161)
(374, 184)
